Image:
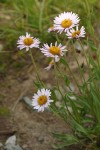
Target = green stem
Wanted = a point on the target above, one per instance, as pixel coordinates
(81, 73)
(62, 76)
(38, 78)
(61, 92)
(64, 100)
(57, 83)
(84, 53)
(58, 113)
(57, 38)
(73, 76)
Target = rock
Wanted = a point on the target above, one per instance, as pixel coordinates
(11, 140)
(1, 145)
(58, 95)
(58, 104)
(11, 144)
(27, 101)
(13, 147)
(72, 87)
(77, 46)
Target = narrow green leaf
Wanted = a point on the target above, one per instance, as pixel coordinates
(67, 81)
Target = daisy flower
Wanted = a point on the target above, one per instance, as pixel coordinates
(41, 100)
(51, 29)
(65, 21)
(53, 51)
(72, 33)
(27, 42)
(51, 63)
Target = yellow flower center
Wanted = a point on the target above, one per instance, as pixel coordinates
(42, 100)
(74, 34)
(54, 50)
(66, 23)
(28, 41)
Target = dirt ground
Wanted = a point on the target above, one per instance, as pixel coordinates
(33, 130)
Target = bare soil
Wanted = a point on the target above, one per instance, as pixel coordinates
(33, 130)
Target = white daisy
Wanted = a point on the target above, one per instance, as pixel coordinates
(54, 51)
(51, 63)
(41, 100)
(27, 42)
(51, 29)
(72, 33)
(65, 21)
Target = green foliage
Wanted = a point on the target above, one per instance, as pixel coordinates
(34, 16)
(85, 108)
(67, 140)
(3, 1)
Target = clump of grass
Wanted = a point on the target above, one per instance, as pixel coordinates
(34, 16)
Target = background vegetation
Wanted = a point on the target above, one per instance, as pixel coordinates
(35, 16)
